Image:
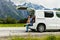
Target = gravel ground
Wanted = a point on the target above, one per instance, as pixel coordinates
(4, 38)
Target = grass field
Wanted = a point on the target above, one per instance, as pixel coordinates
(46, 37)
(12, 25)
(50, 37)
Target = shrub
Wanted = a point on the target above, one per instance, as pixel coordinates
(10, 20)
(22, 20)
(51, 37)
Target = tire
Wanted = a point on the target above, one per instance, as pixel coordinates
(41, 28)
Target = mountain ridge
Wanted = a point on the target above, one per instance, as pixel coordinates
(8, 8)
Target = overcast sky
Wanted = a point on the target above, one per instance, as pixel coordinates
(46, 3)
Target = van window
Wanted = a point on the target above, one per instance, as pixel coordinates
(58, 14)
(48, 14)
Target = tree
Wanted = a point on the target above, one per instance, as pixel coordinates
(10, 20)
(22, 20)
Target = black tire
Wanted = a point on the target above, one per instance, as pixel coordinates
(33, 30)
(41, 28)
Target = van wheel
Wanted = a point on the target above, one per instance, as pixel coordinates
(40, 28)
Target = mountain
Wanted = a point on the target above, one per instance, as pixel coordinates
(31, 5)
(7, 8)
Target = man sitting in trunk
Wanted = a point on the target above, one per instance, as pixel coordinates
(29, 22)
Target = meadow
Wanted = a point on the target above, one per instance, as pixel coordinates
(12, 25)
(48, 37)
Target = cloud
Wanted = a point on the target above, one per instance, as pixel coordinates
(17, 2)
(46, 3)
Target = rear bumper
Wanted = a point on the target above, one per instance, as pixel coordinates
(31, 27)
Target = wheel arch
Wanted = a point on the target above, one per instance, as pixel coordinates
(41, 24)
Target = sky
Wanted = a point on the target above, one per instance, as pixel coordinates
(45, 3)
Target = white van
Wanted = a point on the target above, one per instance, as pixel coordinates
(46, 19)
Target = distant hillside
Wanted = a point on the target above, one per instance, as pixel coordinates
(31, 5)
(7, 8)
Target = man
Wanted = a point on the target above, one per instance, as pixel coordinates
(29, 22)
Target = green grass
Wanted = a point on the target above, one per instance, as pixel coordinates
(28, 38)
(49, 37)
(12, 25)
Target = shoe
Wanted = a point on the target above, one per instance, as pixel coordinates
(26, 31)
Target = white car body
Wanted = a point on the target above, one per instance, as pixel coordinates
(50, 22)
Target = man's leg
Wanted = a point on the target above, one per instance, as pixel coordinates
(26, 28)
